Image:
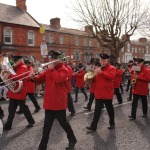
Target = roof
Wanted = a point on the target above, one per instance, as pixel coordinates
(15, 15)
(65, 30)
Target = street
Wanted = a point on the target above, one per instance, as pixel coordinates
(127, 135)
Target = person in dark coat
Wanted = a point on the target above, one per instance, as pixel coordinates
(55, 100)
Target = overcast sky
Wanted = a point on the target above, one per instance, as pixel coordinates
(44, 10)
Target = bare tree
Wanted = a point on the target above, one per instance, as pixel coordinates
(111, 22)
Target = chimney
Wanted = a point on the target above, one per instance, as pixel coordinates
(55, 23)
(89, 29)
(21, 4)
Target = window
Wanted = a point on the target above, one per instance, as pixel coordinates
(31, 39)
(128, 47)
(97, 55)
(85, 41)
(77, 55)
(63, 52)
(90, 42)
(8, 37)
(147, 50)
(135, 50)
(51, 38)
(76, 41)
(61, 39)
(132, 49)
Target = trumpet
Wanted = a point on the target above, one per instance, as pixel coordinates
(14, 84)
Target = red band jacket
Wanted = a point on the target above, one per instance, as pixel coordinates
(55, 92)
(141, 86)
(20, 73)
(104, 88)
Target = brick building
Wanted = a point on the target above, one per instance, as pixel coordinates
(19, 31)
(19, 35)
(138, 49)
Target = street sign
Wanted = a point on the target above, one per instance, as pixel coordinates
(43, 47)
(42, 30)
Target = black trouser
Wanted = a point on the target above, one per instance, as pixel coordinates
(121, 87)
(33, 99)
(97, 112)
(48, 122)
(135, 104)
(13, 103)
(91, 99)
(118, 95)
(70, 103)
(82, 90)
(1, 111)
(130, 94)
(128, 84)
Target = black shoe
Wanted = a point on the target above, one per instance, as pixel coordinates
(132, 118)
(111, 127)
(144, 115)
(19, 111)
(2, 116)
(71, 145)
(88, 109)
(72, 114)
(91, 129)
(126, 90)
(75, 101)
(129, 99)
(30, 125)
(37, 109)
(120, 103)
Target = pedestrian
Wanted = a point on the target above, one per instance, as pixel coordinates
(79, 84)
(18, 98)
(55, 99)
(69, 88)
(30, 89)
(104, 91)
(140, 89)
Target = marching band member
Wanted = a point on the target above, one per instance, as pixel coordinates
(140, 89)
(79, 75)
(69, 89)
(104, 91)
(117, 83)
(16, 99)
(92, 89)
(31, 88)
(55, 100)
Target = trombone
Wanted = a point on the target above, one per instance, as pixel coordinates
(36, 69)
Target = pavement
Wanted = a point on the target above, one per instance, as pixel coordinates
(127, 135)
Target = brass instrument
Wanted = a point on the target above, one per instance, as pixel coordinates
(133, 81)
(89, 77)
(6, 70)
(16, 86)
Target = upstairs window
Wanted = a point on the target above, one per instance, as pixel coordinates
(90, 42)
(61, 39)
(8, 37)
(51, 38)
(31, 39)
(85, 41)
(76, 41)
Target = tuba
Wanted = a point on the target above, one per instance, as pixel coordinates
(89, 77)
(7, 69)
